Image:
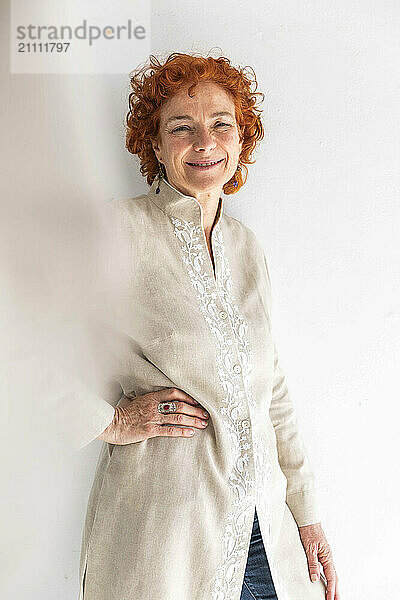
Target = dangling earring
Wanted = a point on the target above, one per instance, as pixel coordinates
(235, 181)
(160, 176)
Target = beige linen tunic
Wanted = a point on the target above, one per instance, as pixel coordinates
(171, 518)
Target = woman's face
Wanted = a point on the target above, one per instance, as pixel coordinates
(196, 131)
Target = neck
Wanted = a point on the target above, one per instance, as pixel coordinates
(209, 202)
(210, 208)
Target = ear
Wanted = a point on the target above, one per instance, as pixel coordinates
(157, 150)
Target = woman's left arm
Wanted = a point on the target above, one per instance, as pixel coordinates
(301, 496)
(301, 490)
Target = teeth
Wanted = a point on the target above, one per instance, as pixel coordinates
(205, 164)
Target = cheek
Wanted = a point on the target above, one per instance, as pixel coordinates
(177, 150)
(231, 142)
(170, 149)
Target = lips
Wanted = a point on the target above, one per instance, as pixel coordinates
(205, 164)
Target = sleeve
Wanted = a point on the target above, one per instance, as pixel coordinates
(85, 406)
(83, 414)
(301, 492)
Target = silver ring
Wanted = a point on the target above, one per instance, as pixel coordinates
(166, 407)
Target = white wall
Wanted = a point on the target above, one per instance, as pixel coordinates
(323, 197)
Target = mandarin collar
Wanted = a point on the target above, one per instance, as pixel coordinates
(176, 204)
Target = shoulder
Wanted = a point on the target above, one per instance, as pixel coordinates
(131, 213)
(132, 205)
(246, 242)
(242, 233)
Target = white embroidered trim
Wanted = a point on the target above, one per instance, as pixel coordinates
(261, 452)
(226, 584)
(263, 472)
(239, 325)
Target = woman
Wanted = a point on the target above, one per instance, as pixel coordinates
(226, 510)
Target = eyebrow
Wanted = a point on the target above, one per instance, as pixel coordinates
(183, 117)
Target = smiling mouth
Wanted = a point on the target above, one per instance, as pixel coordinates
(205, 165)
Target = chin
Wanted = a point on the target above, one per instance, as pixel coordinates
(202, 183)
(208, 188)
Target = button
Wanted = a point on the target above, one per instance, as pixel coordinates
(223, 314)
(237, 369)
(245, 424)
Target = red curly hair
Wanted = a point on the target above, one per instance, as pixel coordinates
(156, 82)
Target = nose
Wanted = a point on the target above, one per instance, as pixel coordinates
(204, 141)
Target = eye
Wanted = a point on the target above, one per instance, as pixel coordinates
(223, 124)
(181, 128)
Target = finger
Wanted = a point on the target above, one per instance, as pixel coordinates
(337, 595)
(181, 419)
(189, 409)
(330, 590)
(312, 559)
(175, 393)
(184, 408)
(171, 431)
(331, 582)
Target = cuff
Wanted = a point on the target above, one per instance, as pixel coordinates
(304, 507)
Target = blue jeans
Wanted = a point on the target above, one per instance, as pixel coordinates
(257, 582)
